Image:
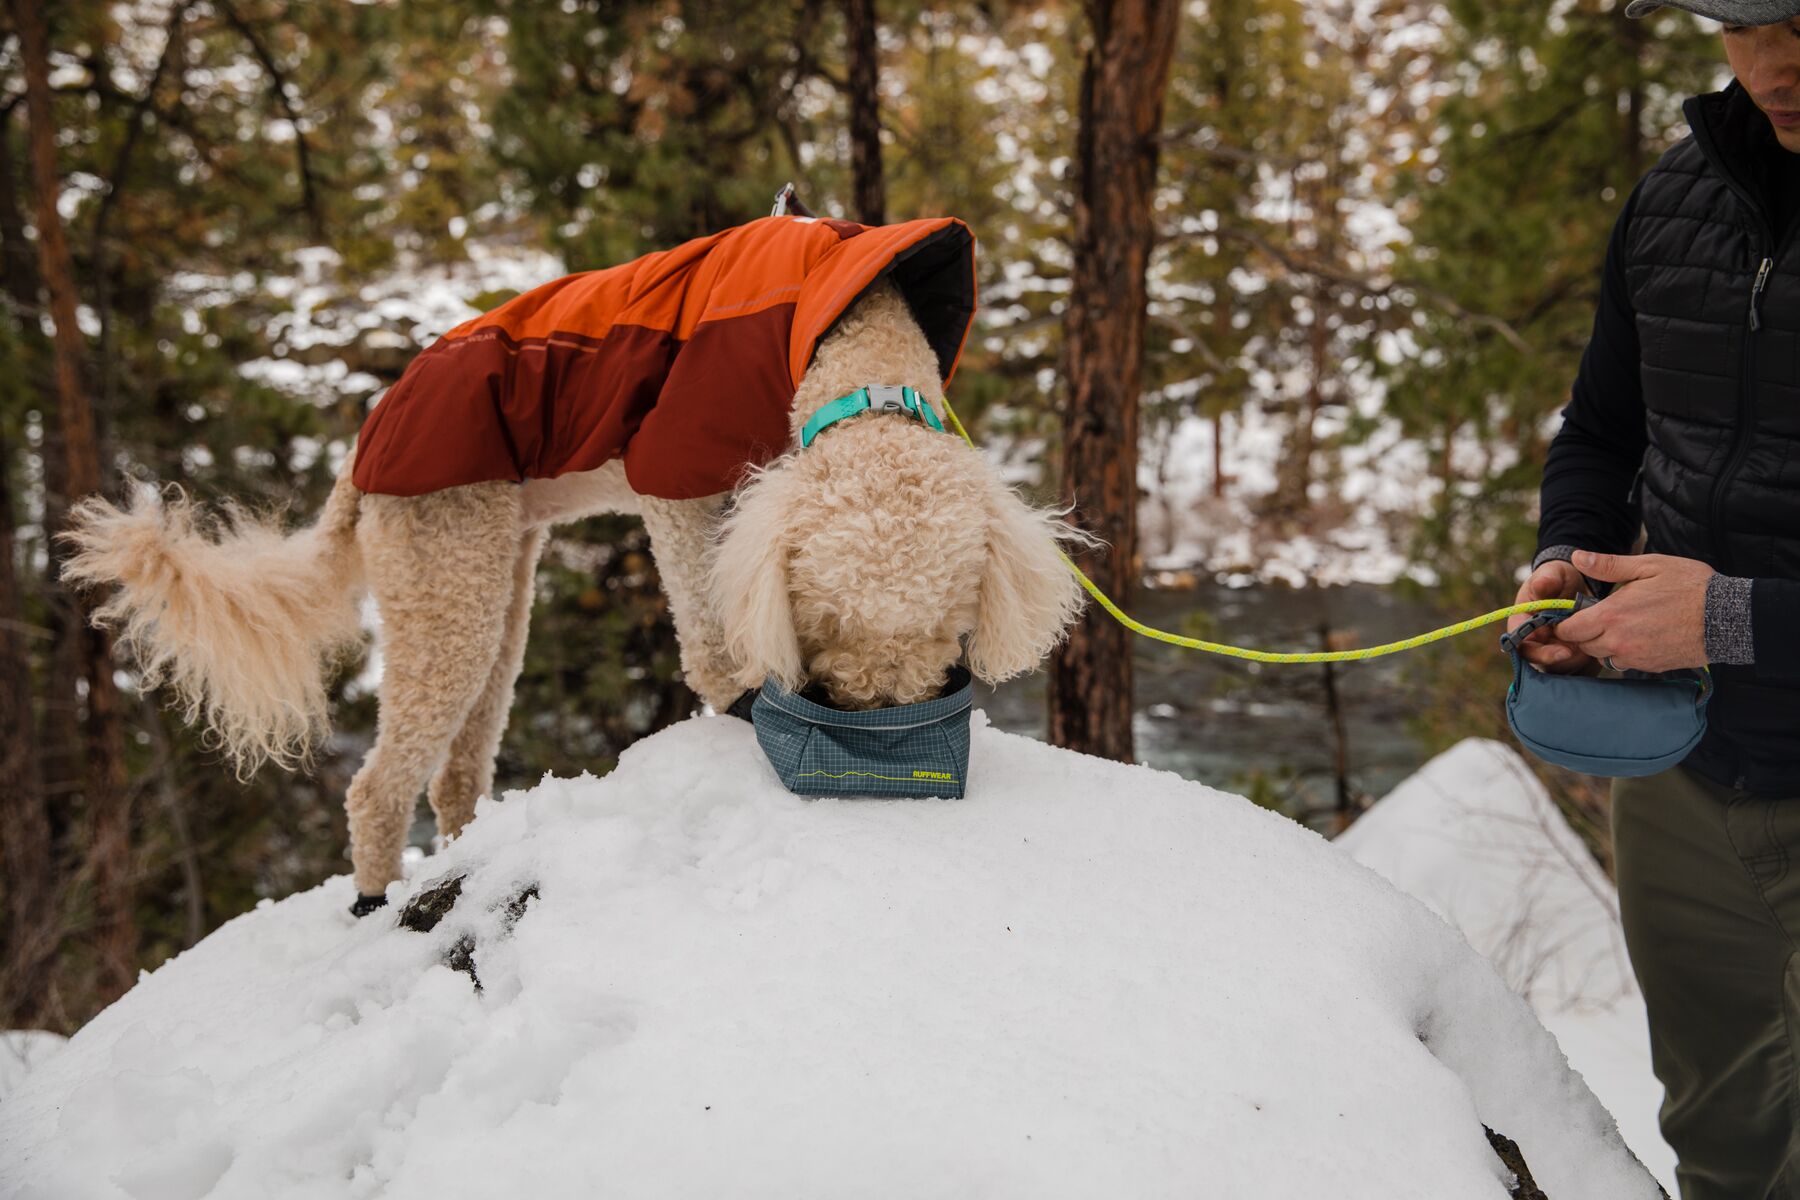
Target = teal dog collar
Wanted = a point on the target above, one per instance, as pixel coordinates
(877, 397)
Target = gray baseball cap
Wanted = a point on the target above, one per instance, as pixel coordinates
(1732, 12)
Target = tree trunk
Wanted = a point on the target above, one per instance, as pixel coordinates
(1308, 443)
(108, 802)
(32, 928)
(59, 731)
(18, 259)
(1218, 478)
(1123, 81)
(1631, 130)
(1345, 808)
(865, 112)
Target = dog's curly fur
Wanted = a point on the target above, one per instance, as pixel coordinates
(860, 564)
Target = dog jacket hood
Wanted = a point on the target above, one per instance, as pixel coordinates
(683, 363)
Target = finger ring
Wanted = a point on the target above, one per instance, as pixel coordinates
(1609, 663)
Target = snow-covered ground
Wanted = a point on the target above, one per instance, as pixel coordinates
(1474, 836)
(21, 1052)
(1086, 979)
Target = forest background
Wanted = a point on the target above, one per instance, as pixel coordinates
(1366, 233)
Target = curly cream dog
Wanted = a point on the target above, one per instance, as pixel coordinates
(861, 563)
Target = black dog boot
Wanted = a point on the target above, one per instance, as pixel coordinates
(367, 904)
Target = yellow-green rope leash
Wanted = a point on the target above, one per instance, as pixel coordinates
(1267, 656)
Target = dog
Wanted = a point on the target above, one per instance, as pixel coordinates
(867, 564)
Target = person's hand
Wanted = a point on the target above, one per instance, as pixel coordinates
(1555, 580)
(1655, 620)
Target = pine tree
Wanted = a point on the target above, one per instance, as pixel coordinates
(1117, 151)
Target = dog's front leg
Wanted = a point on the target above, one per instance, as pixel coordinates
(680, 536)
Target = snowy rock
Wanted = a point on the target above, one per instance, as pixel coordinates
(1085, 979)
(1474, 835)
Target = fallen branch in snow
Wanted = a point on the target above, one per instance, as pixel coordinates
(1523, 1186)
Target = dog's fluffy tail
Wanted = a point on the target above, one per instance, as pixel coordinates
(244, 622)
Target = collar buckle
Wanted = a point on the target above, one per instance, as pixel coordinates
(889, 397)
(874, 397)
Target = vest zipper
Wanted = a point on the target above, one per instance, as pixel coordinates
(1756, 291)
(1741, 438)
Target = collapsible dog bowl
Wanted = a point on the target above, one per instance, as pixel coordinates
(1621, 728)
(912, 750)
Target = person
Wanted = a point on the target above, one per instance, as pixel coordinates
(1684, 420)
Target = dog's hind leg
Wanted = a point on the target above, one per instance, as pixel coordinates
(441, 567)
(468, 773)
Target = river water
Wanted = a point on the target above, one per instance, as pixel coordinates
(1263, 728)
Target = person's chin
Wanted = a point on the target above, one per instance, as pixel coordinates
(1786, 126)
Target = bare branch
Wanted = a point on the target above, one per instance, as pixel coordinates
(1204, 139)
(115, 184)
(1207, 354)
(279, 82)
(1297, 265)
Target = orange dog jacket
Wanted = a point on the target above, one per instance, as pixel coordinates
(683, 363)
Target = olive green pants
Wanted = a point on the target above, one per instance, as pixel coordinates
(1710, 900)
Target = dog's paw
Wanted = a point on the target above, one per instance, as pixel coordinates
(367, 904)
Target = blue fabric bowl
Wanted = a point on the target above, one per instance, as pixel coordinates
(1622, 728)
(908, 751)
(1619, 728)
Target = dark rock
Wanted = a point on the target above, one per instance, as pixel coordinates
(515, 908)
(461, 957)
(425, 910)
(1523, 1186)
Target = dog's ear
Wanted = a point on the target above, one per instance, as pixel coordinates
(749, 583)
(1029, 597)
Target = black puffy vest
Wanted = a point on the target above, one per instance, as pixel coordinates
(1716, 290)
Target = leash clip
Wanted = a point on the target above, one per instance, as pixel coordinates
(787, 203)
(1513, 640)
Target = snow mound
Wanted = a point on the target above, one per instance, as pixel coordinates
(1475, 836)
(1086, 979)
(21, 1050)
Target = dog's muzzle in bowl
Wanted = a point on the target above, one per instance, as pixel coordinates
(910, 750)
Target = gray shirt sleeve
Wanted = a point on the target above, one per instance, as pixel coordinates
(1553, 554)
(1728, 638)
